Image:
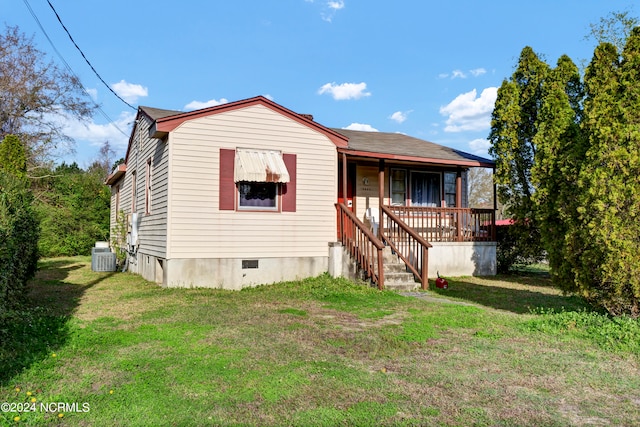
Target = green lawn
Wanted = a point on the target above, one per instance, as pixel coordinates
(506, 351)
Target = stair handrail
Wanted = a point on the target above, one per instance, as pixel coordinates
(401, 249)
(360, 242)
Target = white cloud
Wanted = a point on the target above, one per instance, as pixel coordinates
(93, 93)
(330, 8)
(400, 116)
(197, 105)
(95, 134)
(361, 126)
(130, 92)
(467, 112)
(480, 147)
(345, 90)
(459, 74)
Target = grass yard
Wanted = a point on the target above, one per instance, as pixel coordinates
(114, 350)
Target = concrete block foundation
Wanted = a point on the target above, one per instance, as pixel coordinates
(462, 259)
(235, 274)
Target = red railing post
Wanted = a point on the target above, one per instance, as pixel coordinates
(425, 268)
(380, 270)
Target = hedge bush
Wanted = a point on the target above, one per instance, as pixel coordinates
(19, 231)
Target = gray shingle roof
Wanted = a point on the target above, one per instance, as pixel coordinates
(407, 146)
(159, 113)
(376, 143)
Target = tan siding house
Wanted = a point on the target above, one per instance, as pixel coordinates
(245, 193)
(186, 238)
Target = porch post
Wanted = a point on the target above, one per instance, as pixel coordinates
(380, 195)
(344, 179)
(458, 188)
(495, 191)
(494, 232)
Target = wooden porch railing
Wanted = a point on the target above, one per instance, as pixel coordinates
(449, 224)
(412, 248)
(363, 246)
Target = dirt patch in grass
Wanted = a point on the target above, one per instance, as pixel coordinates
(352, 322)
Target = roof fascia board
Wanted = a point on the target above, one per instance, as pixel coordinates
(399, 157)
(116, 175)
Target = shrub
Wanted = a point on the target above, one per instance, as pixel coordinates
(74, 208)
(518, 245)
(19, 231)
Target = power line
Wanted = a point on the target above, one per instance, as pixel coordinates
(70, 70)
(85, 58)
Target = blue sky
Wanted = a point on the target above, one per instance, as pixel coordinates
(424, 68)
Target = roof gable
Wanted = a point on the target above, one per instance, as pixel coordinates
(158, 113)
(167, 120)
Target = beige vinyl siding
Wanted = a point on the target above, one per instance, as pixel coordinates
(199, 230)
(113, 218)
(153, 226)
(152, 231)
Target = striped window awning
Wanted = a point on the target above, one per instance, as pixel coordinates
(259, 166)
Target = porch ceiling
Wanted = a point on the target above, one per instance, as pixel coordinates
(396, 146)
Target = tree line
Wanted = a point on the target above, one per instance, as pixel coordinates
(567, 150)
(46, 209)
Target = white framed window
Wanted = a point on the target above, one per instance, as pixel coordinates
(450, 186)
(398, 187)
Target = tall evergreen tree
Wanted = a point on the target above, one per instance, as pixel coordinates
(607, 241)
(513, 128)
(559, 153)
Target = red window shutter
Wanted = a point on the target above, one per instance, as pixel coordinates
(227, 192)
(289, 189)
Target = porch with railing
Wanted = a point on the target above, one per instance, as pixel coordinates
(408, 232)
(436, 224)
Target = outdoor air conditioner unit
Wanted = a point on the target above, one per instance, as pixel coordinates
(102, 259)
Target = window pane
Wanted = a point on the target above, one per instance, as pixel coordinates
(257, 194)
(398, 187)
(425, 189)
(450, 188)
(397, 181)
(450, 182)
(397, 199)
